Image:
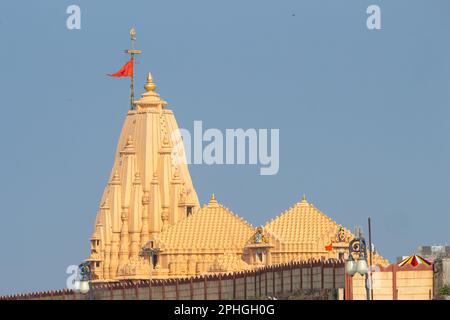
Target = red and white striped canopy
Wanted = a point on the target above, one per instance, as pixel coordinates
(414, 260)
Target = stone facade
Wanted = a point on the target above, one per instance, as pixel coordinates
(147, 191)
(307, 279)
(150, 204)
(313, 279)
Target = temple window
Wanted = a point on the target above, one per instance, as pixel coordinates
(189, 210)
(154, 260)
(260, 256)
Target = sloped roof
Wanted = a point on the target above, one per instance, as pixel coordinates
(229, 262)
(302, 223)
(211, 227)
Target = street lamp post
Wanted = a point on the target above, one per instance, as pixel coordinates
(84, 283)
(358, 246)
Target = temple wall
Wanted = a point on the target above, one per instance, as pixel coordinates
(276, 280)
(314, 279)
(394, 283)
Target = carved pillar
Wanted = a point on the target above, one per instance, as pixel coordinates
(116, 224)
(124, 239)
(165, 168)
(174, 215)
(145, 228)
(135, 217)
(165, 218)
(107, 238)
(155, 218)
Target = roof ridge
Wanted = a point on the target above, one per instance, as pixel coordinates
(228, 210)
(217, 204)
(302, 222)
(283, 213)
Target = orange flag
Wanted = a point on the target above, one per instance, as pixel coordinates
(126, 71)
(329, 247)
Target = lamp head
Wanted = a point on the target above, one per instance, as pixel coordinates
(361, 266)
(84, 286)
(76, 285)
(350, 266)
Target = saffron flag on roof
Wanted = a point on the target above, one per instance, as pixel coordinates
(126, 71)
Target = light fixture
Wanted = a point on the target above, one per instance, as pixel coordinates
(350, 266)
(361, 266)
(358, 247)
(83, 282)
(84, 286)
(76, 285)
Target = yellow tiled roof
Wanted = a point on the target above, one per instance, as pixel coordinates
(302, 223)
(305, 224)
(210, 227)
(229, 262)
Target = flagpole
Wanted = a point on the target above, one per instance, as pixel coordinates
(133, 38)
(132, 52)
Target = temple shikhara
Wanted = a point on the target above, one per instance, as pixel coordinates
(150, 206)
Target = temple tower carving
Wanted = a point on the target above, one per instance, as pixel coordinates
(143, 196)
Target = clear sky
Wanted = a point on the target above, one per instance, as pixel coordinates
(363, 115)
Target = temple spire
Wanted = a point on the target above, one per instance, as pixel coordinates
(147, 192)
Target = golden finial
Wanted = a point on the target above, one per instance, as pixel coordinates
(213, 201)
(304, 198)
(150, 85)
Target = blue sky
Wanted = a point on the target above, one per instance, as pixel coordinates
(363, 115)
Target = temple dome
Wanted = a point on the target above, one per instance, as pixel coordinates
(211, 227)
